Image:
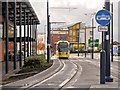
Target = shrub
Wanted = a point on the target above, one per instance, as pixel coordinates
(35, 61)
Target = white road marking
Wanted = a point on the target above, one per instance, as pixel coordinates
(50, 77)
(80, 67)
(73, 72)
(72, 82)
(64, 82)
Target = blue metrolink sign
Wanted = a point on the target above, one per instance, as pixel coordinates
(103, 17)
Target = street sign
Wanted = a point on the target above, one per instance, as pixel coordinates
(102, 28)
(103, 17)
(94, 42)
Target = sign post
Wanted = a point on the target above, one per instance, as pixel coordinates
(107, 44)
(102, 28)
(103, 18)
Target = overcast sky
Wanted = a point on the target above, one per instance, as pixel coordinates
(75, 14)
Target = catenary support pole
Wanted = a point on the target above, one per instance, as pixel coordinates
(107, 46)
(92, 38)
(48, 33)
(112, 33)
(15, 36)
(6, 39)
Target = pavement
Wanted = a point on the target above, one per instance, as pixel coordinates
(90, 75)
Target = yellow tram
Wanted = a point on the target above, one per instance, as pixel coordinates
(62, 49)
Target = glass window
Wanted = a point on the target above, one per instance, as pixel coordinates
(90, 32)
(62, 46)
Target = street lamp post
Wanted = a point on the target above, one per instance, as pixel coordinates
(85, 42)
(92, 14)
(48, 33)
(92, 38)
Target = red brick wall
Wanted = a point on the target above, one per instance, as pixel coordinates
(55, 38)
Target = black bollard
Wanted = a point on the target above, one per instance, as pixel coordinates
(102, 66)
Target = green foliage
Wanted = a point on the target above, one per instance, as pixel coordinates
(35, 61)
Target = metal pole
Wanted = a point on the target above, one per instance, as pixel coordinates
(85, 42)
(36, 38)
(15, 35)
(32, 34)
(107, 46)
(102, 62)
(45, 38)
(78, 40)
(28, 35)
(103, 40)
(102, 66)
(20, 33)
(48, 34)
(7, 39)
(112, 33)
(24, 34)
(92, 38)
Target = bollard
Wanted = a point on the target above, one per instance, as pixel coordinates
(102, 66)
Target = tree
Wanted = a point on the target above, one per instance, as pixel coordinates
(41, 46)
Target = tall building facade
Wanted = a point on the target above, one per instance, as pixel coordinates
(78, 36)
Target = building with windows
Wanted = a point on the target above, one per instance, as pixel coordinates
(17, 18)
(79, 36)
(56, 35)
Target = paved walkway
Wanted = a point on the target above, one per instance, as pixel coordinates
(91, 74)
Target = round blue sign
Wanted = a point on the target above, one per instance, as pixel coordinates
(103, 17)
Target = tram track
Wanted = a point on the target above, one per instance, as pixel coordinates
(73, 79)
(45, 79)
(67, 82)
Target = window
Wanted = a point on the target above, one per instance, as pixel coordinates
(90, 32)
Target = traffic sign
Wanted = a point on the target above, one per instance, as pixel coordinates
(103, 17)
(102, 28)
(94, 42)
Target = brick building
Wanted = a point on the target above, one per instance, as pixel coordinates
(56, 35)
